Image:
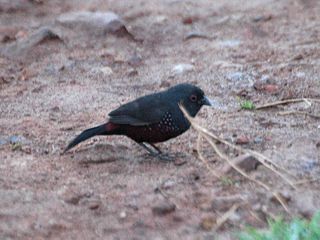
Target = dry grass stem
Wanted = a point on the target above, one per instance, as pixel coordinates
(304, 181)
(203, 132)
(260, 157)
(221, 220)
(273, 104)
(217, 175)
(299, 113)
(243, 173)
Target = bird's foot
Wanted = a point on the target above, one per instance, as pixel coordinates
(165, 157)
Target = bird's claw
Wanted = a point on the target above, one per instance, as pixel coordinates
(165, 157)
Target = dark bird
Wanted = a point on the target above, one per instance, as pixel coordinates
(152, 118)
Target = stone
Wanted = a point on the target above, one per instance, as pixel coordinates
(182, 68)
(96, 23)
(106, 70)
(235, 76)
(163, 208)
(15, 139)
(245, 162)
(207, 223)
(22, 47)
(242, 140)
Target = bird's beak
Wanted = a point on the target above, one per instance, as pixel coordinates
(207, 101)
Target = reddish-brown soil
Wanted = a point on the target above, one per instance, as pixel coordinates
(108, 187)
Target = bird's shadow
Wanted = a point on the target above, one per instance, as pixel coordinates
(177, 158)
(106, 153)
(99, 154)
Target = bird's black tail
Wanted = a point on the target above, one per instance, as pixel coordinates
(86, 134)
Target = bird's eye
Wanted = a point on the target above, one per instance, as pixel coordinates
(193, 98)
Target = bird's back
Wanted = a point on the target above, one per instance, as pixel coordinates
(143, 111)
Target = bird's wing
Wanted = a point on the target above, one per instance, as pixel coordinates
(142, 111)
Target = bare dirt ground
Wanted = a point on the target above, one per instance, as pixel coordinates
(53, 87)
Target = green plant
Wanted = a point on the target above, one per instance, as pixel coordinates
(297, 229)
(247, 105)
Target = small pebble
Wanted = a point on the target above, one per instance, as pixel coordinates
(258, 140)
(123, 215)
(163, 208)
(236, 76)
(2, 141)
(94, 205)
(16, 139)
(242, 140)
(230, 43)
(207, 223)
(106, 71)
(182, 68)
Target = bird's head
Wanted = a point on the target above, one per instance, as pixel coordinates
(191, 97)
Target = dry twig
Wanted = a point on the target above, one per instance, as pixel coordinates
(294, 100)
(264, 160)
(225, 216)
(216, 174)
(260, 157)
(299, 113)
(243, 173)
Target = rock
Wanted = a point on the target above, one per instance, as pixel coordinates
(168, 184)
(239, 80)
(135, 60)
(265, 78)
(73, 199)
(159, 19)
(189, 20)
(94, 204)
(269, 88)
(230, 43)
(179, 161)
(163, 208)
(309, 165)
(22, 47)
(236, 76)
(300, 74)
(306, 202)
(193, 34)
(182, 68)
(245, 162)
(132, 73)
(243, 93)
(3, 141)
(284, 194)
(8, 6)
(258, 140)
(106, 70)
(242, 140)
(262, 18)
(123, 215)
(207, 223)
(298, 57)
(17, 139)
(223, 204)
(96, 23)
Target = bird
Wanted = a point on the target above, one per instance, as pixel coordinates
(151, 118)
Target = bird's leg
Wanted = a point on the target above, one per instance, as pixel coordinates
(158, 154)
(161, 156)
(165, 157)
(155, 147)
(148, 149)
